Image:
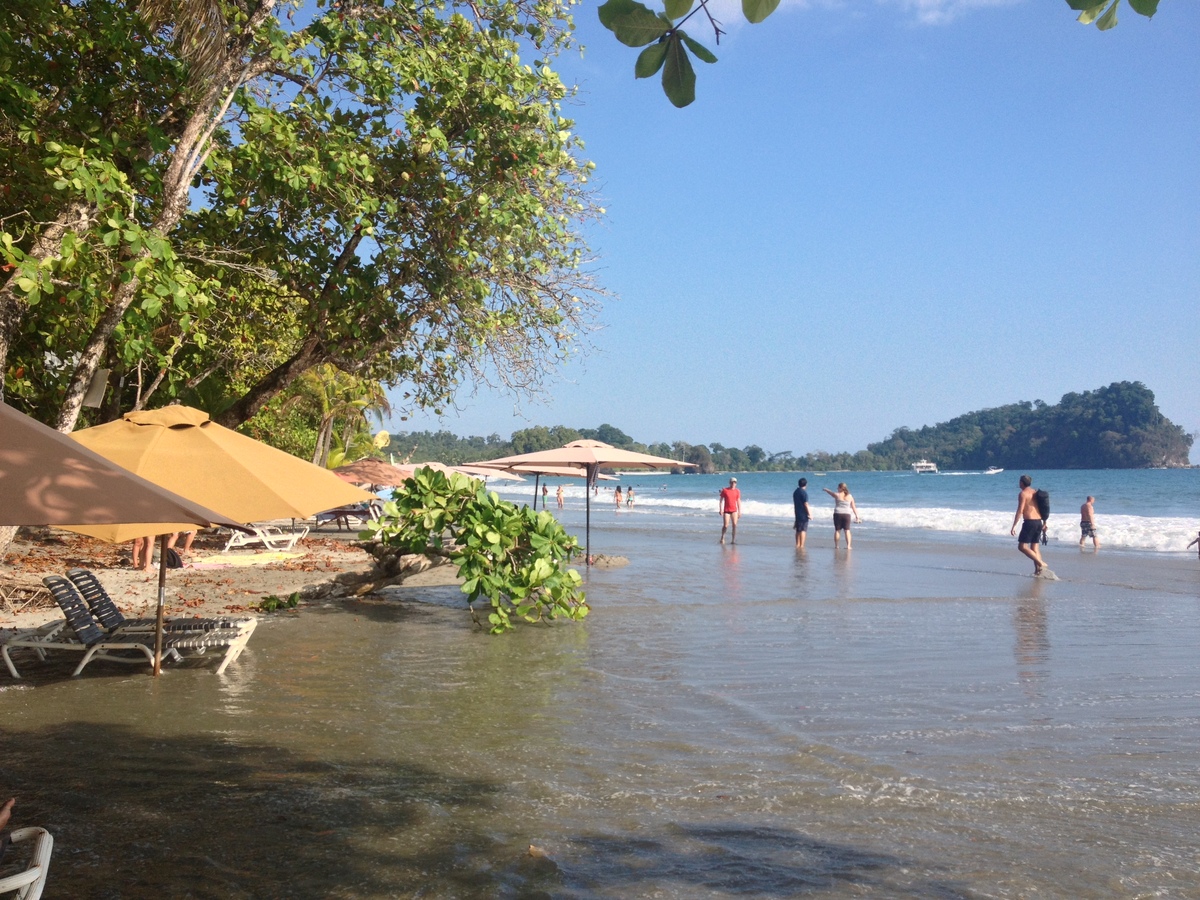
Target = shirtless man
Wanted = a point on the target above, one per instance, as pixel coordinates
(1031, 528)
(1087, 524)
(729, 503)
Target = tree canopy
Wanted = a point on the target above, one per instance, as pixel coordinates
(388, 187)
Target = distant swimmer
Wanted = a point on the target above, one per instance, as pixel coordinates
(1087, 524)
(803, 512)
(843, 506)
(729, 504)
(1195, 543)
(1031, 525)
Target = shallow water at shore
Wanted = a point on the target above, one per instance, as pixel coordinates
(910, 719)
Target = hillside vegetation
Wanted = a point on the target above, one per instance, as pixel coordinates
(1114, 427)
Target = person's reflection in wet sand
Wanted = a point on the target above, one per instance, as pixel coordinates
(1032, 648)
(843, 573)
(731, 574)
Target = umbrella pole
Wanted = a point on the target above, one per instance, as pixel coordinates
(162, 594)
(587, 492)
(536, 477)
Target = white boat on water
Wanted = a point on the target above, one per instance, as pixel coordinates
(925, 467)
(992, 470)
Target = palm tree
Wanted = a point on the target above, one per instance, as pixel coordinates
(340, 405)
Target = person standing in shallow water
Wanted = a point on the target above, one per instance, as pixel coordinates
(843, 507)
(1031, 524)
(559, 496)
(803, 512)
(1087, 524)
(617, 496)
(729, 504)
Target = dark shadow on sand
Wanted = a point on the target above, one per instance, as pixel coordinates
(200, 817)
(734, 859)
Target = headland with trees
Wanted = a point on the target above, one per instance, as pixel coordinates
(1113, 427)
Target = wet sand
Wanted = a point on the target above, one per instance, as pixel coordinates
(909, 719)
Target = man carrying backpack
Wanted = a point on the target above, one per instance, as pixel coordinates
(1033, 523)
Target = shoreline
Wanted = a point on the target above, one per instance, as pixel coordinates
(211, 583)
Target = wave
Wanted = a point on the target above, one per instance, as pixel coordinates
(1156, 533)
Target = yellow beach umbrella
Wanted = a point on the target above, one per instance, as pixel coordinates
(48, 479)
(181, 449)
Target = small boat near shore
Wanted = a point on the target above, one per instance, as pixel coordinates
(924, 467)
(992, 470)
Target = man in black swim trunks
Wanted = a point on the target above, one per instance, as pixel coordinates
(803, 512)
(1032, 524)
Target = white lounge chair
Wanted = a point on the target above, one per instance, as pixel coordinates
(29, 883)
(270, 536)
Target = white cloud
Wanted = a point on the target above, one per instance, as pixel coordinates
(928, 12)
(937, 12)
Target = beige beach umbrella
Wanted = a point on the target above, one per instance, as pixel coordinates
(183, 450)
(371, 471)
(538, 472)
(587, 457)
(474, 471)
(46, 478)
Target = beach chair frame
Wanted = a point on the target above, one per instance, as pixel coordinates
(270, 536)
(29, 883)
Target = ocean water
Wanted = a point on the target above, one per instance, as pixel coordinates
(918, 717)
(1152, 510)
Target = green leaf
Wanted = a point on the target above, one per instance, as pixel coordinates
(633, 24)
(650, 60)
(678, 78)
(702, 53)
(1089, 14)
(757, 10)
(1109, 19)
(677, 9)
(612, 10)
(1146, 8)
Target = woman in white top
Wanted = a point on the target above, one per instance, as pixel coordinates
(843, 506)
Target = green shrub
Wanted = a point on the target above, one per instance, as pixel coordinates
(512, 556)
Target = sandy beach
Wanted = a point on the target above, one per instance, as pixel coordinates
(211, 582)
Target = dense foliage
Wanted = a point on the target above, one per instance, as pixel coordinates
(1114, 427)
(513, 557)
(389, 187)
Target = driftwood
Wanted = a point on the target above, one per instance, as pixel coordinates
(392, 566)
(19, 595)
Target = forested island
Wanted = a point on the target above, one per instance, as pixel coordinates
(1113, 427)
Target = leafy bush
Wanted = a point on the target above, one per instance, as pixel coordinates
(514, 557)
(272, 603)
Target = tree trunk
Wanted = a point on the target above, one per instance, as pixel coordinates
(311, 353)
(187, 158)
(76, 217)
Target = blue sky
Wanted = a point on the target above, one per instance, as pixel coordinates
(881, 214)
